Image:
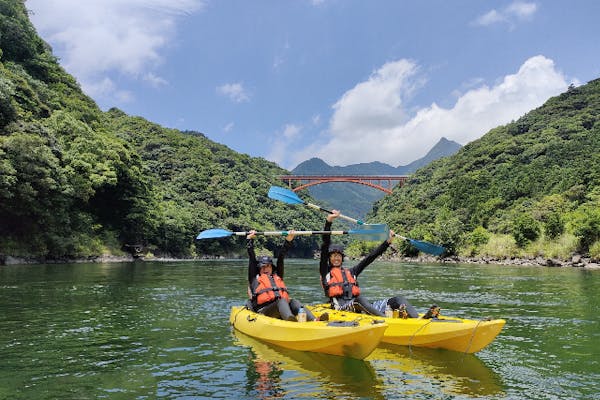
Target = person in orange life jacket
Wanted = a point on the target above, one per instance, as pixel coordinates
(268, 293)
(341, 285)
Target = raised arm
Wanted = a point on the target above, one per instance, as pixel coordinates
(358, 268)
(324, 262)
(287, 244)
(252, 264)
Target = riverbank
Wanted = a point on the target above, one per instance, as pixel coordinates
(576, 261)
(10, 260)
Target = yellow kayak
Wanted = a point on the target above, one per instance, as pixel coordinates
(464, 335)
(350, 339)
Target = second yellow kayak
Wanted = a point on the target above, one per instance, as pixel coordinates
(457, 334)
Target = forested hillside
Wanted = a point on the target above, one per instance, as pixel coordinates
(202, 184)
(78, 182)
(531, 187)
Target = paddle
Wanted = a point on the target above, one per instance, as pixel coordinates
(289, 197)
(368, 232)
(425, 247)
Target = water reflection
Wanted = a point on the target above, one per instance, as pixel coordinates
(156, 330)
(264, 379)
(389, 372)
(275, 372)
(453, 372)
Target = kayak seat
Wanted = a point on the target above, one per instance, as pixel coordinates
(342, 323)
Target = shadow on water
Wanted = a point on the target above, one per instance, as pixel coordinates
(453, 372)
(276, 372)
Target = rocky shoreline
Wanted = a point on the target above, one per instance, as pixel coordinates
(577, 261)
(9, 260)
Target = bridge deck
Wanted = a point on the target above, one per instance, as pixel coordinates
(368, 180)
(366, 177)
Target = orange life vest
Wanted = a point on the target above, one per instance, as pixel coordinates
(341, 283)
(269, 288)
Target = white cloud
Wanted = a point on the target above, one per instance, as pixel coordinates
(281, 142)
(376, 103)
(155, 81)
(517, 10)
(291, 131)
(235, 92)
(490, 18)
(280, 58)
(227, 128)
(522, 10)
(96, 38)
(370, 123)
(106, 87)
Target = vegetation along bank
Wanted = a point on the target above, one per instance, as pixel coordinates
(80, 183)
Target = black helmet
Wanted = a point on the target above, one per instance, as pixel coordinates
(264, 260)
(336, 248)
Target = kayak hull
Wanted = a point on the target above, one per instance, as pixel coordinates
(457, 334)
(317, 336)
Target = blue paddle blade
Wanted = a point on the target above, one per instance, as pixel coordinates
(285, 195)
(214, 233)
(428, 248)
(372, 232)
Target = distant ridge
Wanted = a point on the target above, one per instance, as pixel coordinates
(316, 166)
(357, 200)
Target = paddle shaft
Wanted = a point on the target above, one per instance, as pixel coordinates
(356, 221)
(297, 233)
(288, 196)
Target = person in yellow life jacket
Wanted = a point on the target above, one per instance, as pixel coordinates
(341, 285)
(267, 290)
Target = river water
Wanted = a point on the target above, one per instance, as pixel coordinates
(149, 330)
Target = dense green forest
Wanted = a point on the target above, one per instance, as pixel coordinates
(79, 182)
(529, 188)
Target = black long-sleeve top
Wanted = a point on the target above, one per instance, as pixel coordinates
(358, 268)
(254, 268)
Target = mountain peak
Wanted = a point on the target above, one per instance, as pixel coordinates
(313, 166)
(443, 148)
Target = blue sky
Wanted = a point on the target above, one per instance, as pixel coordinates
(347, 81)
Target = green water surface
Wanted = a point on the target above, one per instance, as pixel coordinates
(149, 330)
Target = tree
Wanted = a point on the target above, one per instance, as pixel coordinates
(525, 229)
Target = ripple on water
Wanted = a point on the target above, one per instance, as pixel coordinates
(162, 331)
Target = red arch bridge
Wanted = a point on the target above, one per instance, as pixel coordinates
(385, 183)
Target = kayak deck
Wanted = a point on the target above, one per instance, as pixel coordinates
(457, 334)
(350, 340)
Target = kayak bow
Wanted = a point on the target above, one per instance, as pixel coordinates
(355, 340)
(457, 334)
